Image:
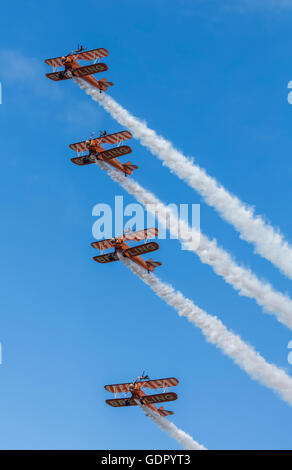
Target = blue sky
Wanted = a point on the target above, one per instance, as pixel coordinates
(212, 77)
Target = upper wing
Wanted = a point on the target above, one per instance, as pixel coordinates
(93, 54)
(114, 138)
(79, 146)
(161, 383)
(108, 139)
(103, 244)
(55, 62)
(121, 402)
(87, 55)
(118, 388)
(142, 234)
(142, 249)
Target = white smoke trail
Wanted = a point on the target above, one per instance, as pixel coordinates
(242, 279)
(268, 242)
(180, 436)
(216, 333)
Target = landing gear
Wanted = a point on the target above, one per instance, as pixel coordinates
(93, 157)
(66, 74)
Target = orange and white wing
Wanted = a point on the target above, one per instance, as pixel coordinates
(87, 55)
(114, 138)
(79, 146)
(118, 388)
(55, 62)
(103, 244)
(146, 234)
(107, 139)
(161, 383)
(93, 54)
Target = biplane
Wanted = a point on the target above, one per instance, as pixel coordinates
(134, 253)
(97, 152)
(72, 68)
(137, 394)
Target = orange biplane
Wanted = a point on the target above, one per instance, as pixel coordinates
(73, 69)
(137, 393)
(133, 254)
(97, 152)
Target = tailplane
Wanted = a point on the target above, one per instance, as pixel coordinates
(152, 264)
(129, 168)
(104, 84)
(164, 412)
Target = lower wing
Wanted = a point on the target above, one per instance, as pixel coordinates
(107, 258)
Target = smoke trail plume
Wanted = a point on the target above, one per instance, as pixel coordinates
(180, 436)
(268, 242)
(240, 278)
(216, 333)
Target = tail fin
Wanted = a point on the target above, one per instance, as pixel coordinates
(152, 264)
(129, 168)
